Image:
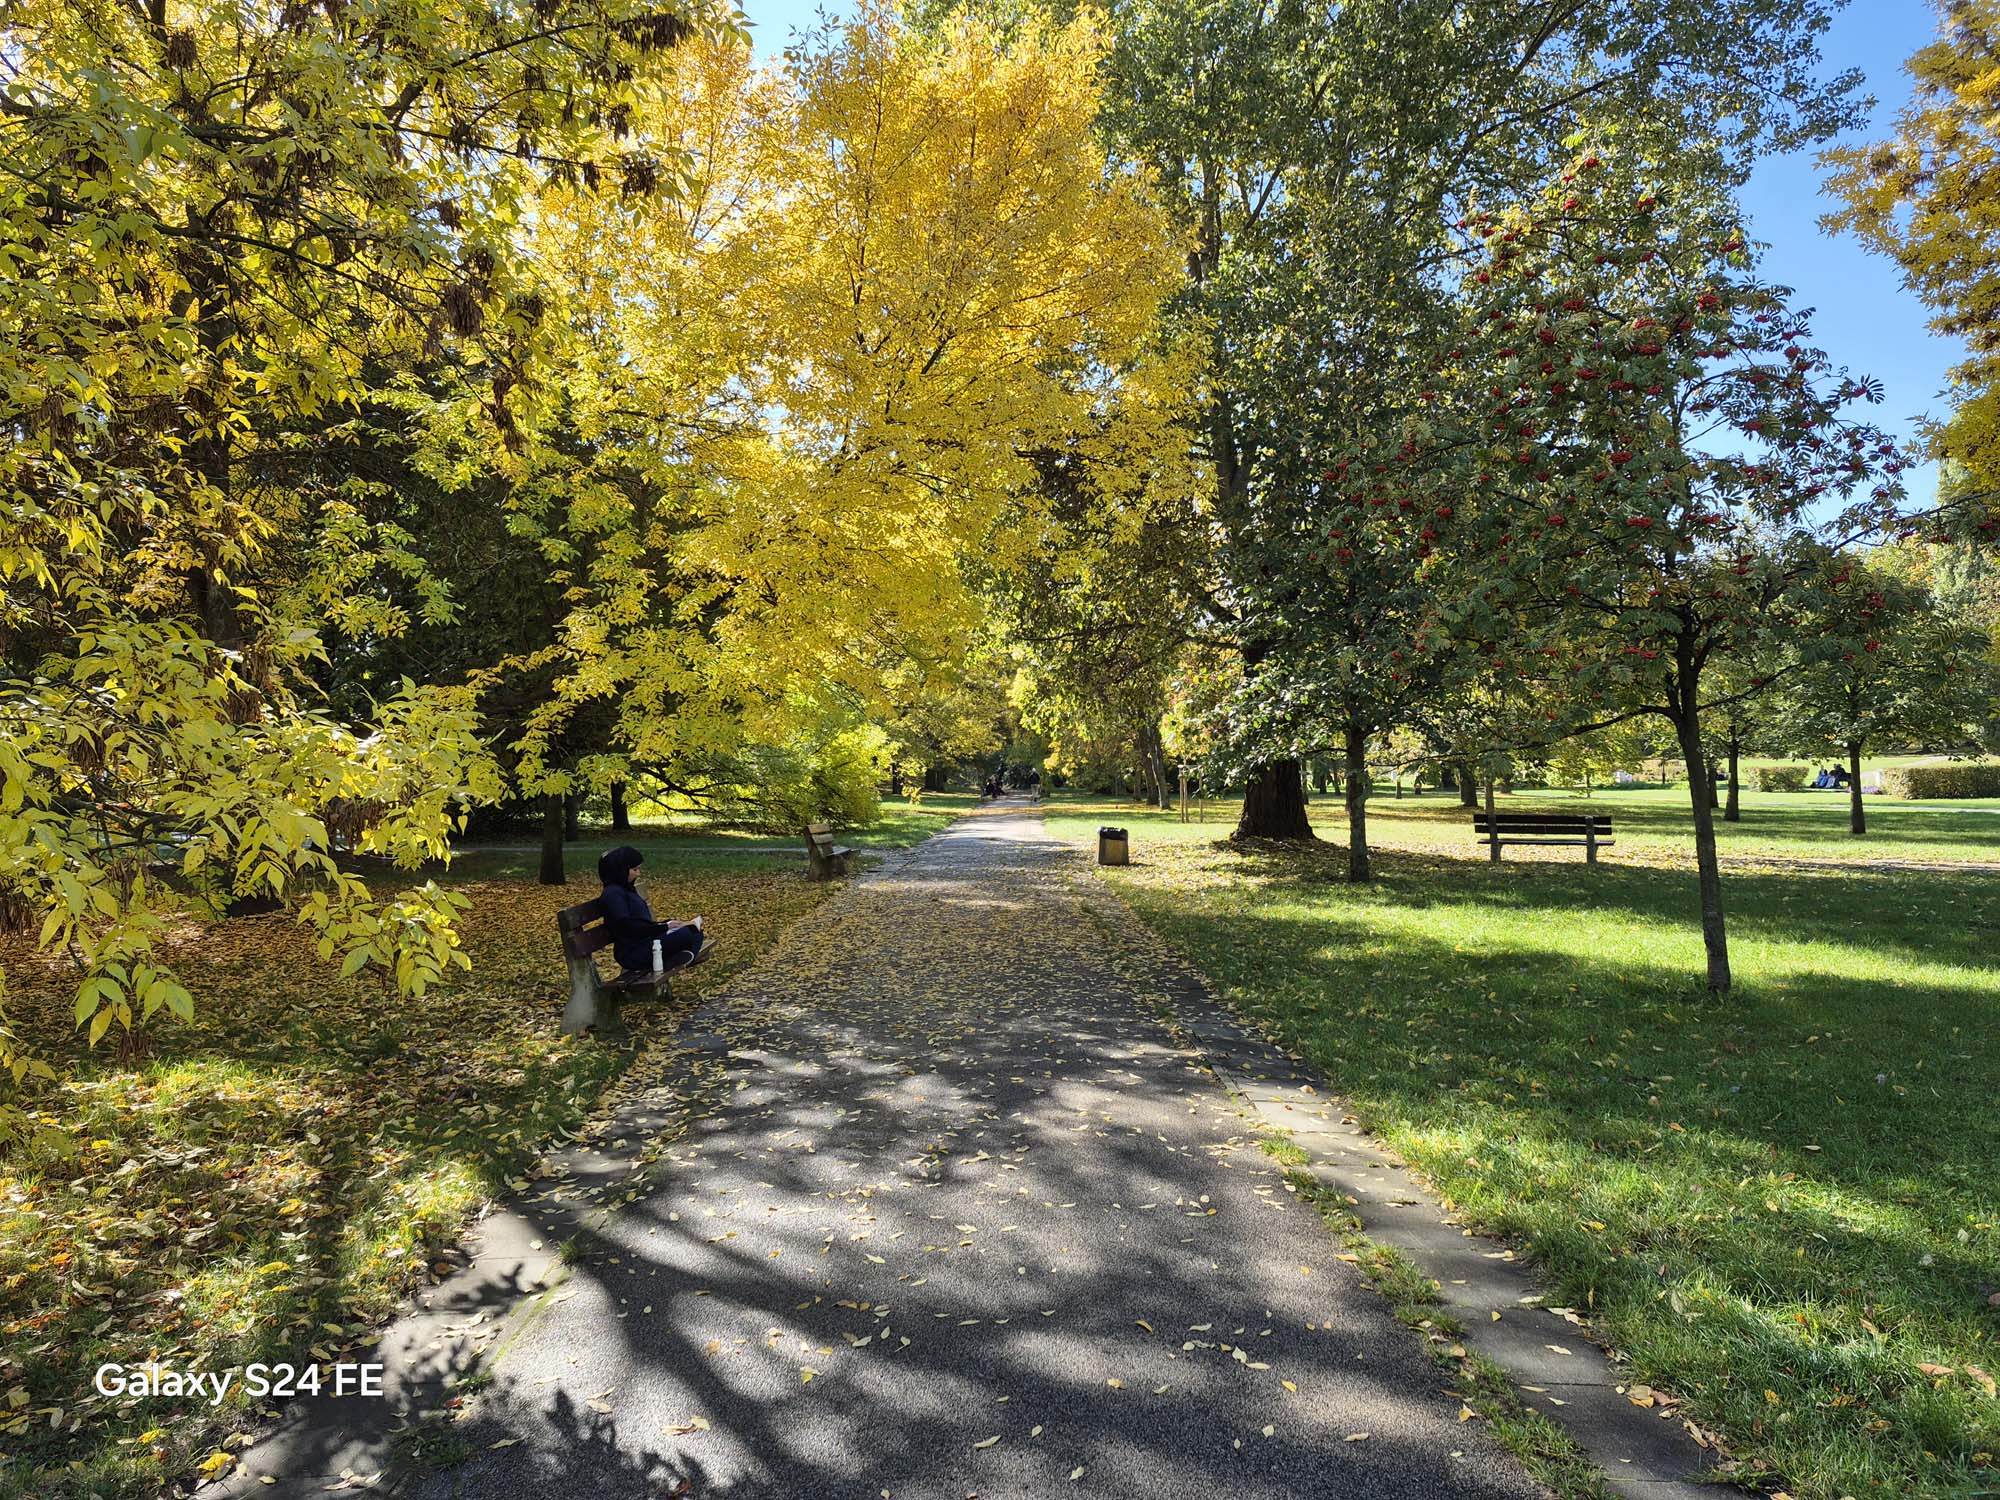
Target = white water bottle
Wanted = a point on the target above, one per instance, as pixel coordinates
(658, 962)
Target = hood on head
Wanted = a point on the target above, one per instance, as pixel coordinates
(613, 864)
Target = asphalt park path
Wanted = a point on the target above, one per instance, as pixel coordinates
(960, 1217)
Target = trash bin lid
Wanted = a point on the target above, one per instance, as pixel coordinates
(1111, 833)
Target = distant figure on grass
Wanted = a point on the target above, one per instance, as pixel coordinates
(634, 932)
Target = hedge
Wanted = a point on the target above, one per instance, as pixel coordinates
(1779, 778)
(1970, 779)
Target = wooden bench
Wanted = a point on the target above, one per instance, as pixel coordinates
(593, 999)
(1591, 830)
(824, 858)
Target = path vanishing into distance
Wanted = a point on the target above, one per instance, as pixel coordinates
(954, 1214)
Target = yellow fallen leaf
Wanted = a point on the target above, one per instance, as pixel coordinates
(1144, 1324)
(1466, 1414)
(1771, 1397)
(1077, 1472)
(216, 1462)
(1355, 1437)
(987, 1442)
(1115, 1384)
(806, 1373)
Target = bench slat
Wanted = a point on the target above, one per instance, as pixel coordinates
(1545, 825)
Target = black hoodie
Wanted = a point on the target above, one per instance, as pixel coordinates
(625, 910)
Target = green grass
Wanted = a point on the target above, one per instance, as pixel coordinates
(1779, 1204)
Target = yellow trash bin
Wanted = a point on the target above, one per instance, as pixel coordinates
(1113, 848)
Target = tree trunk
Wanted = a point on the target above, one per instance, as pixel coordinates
(1857, 815)
(1357, 803)
(552, 842)
(1468, 785)
(895, 778)
(1714, 933)
(1708, 781)
(621, 817)
(1322, 776)
(1274, 804)
(1152, 750)
(1732, 811)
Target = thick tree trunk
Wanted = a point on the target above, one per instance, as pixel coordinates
(1274, 804)
(1322, 776)
(621, 817)
(1714, 933)
(1732, 811)
(1857, 814)
(552, 842)
(1356, 766)
(1468, 785)
(896, 779)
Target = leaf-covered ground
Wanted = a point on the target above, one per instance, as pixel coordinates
(1782, 1206)
(266, 1183)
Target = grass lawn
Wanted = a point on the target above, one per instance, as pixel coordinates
(272, 1178)
(1782, 1205)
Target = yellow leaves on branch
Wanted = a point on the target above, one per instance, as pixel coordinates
(1919, 198)
(898, 266)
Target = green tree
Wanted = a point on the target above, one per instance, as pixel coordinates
(1919, 678)
(223, 225)
(1315, 156)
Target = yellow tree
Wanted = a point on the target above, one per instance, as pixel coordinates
(1929, 198)
(222, 224)
(803, 387)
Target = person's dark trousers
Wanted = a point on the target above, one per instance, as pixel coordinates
(682, 940)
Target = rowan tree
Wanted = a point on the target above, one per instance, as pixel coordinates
(1663, 471)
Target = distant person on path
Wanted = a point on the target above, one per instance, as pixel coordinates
(633, 930)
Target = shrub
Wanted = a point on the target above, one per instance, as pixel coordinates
(1965, 779)
(1779, 778)
(780, 788)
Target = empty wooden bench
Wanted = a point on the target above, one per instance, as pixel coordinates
(824, 858)
(1590, 831)
(593, 999)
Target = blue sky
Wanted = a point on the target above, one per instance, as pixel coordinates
(1865, 319)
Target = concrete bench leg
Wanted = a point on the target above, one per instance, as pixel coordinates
(592, 1006)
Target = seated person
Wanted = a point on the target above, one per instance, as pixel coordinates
(633, 930)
